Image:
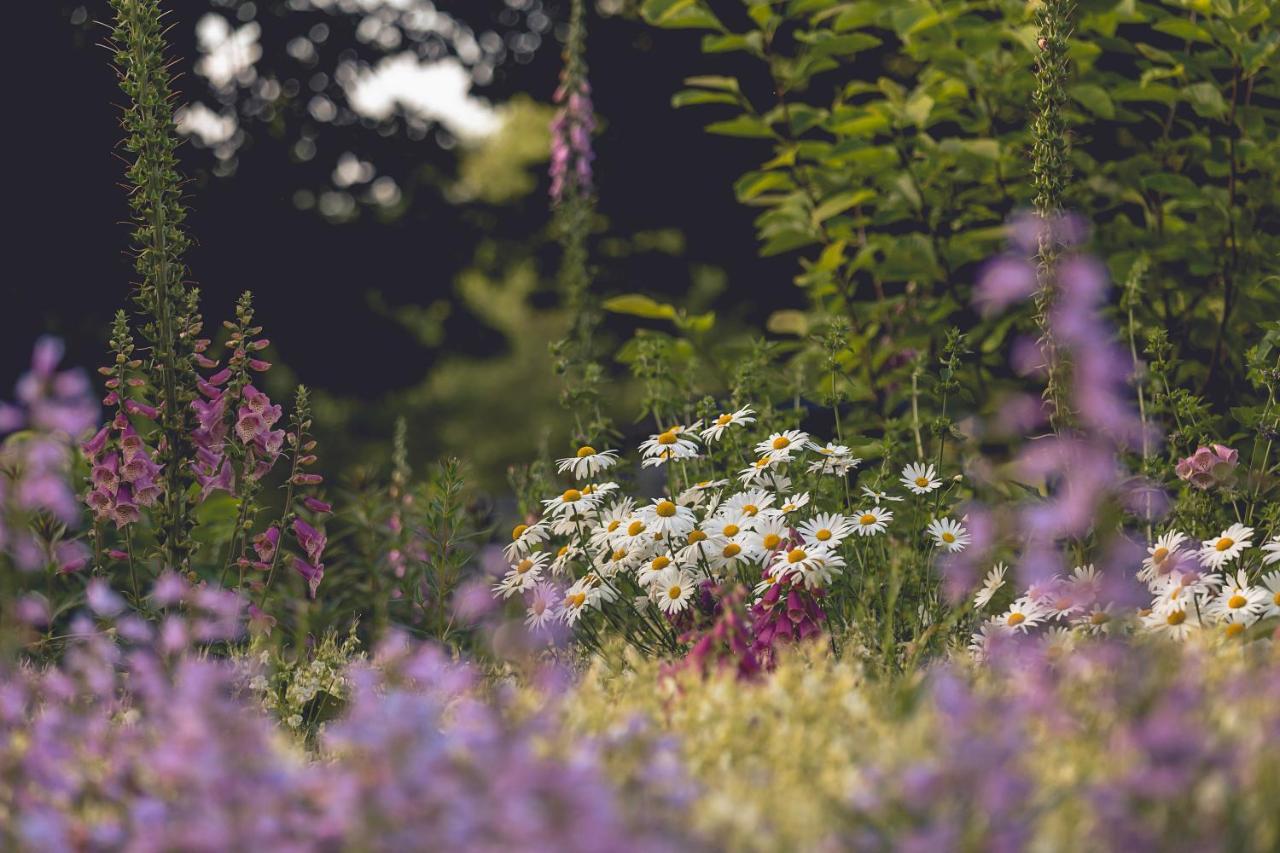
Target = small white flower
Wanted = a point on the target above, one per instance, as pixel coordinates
(920, 479)
(1095, 620)
(668, 445)
(795, 560)
(524, 537)
(980, 642)
(697, 494)
(793, 503)
(1176, 622)
(1216, 553)
(949, 535)
(610, 520)
(587, 462)
(1238, 601)
(1162, 556)
(746, 504)
(674, 588)
(544, 601)
(1272, 550)
(767, 535)
(728, 552)
(990, 586)
(572, 503)
(741, 417)
(833, 459)
(1272, 583)
(783, 444)
(649, 573)
(870, 521)
(761, 469)
(820, 569)
(564, 557)
(665, 518)
(825, 529)
(880, 496)
(522, 576)
(1022, 615)
(1179, 590)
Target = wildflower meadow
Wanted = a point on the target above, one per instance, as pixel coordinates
(949, 521)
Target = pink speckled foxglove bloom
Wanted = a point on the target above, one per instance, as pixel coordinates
(1208, 466)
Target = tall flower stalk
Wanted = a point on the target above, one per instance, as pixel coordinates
(159, 243)
(573, 204)
(1050, 174)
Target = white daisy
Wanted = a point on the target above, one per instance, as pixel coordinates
(820, 569)
(880, 496)
(1022, 615)
(783, 444)
(571, 503)
(573, 605)
(668, 445)
(739, 418)
(565, 556)
(1238, 601)
(543, 604)
(698, 493)
(767, 535)
(674, 589)
(524, 537)
(1085, 584)
(1216, 553)
(697, 548)
(618, 560)
(665, 518)
(793, 503)
(1095, 620)
(761, 469)
(635, 537)
(870, 521)
(1161, 556)
(649, 572)
(825, 529)
(796, 560)
(1272, 550)
(833, 459)
(989, 632)
(920, 479)
(766, 583)
(990, 586)
(587, 462)
(1176, 622)
(949, 535)
(746, 504)
(1178, 590)
(522, 576)
(728, 553)
(1272, 584)
(610, 520)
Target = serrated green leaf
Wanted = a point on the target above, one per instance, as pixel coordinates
(1206, 99)
(839, 203)
(747, 127)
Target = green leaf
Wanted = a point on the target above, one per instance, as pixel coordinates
(839, 203)
(711, 81)
(688, 97)
(1094, 99)
(1206, 99)
(639, 305)
(680, 14)
(753, 184)
(918, 107)
(788, 322)
(752, 42)
(1183, 29)
(744, 126)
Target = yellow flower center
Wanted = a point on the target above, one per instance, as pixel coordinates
(614, 525)
(948, 537)
(1159, 555)
(635, 528)
(618, 555)
(795, 555)
(696, 536)
(1275, 599)
(772, 540)
(762, 462)
(868, 519)
(1235, 629)
(524, 566)
(586, 450)
(823, 535)
(571, 495)
(589, 490)
(732, 549)
(659, 563)
(922, 482)
(789, 507)
(667, 438)
(730, 530)
(1099, 617)
(1224, 543)
(518, 531)
(576, 599)
(781, 443)
(1237, 601)
(665, 509)
(1177, 617)
(724, 420)
(674, 592)
(750, 509)
(564, 549)
(1016, 619)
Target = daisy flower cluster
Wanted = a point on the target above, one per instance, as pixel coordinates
(1194, 585)
(786, 526)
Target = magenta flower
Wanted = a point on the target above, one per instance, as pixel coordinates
(1208, 466)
